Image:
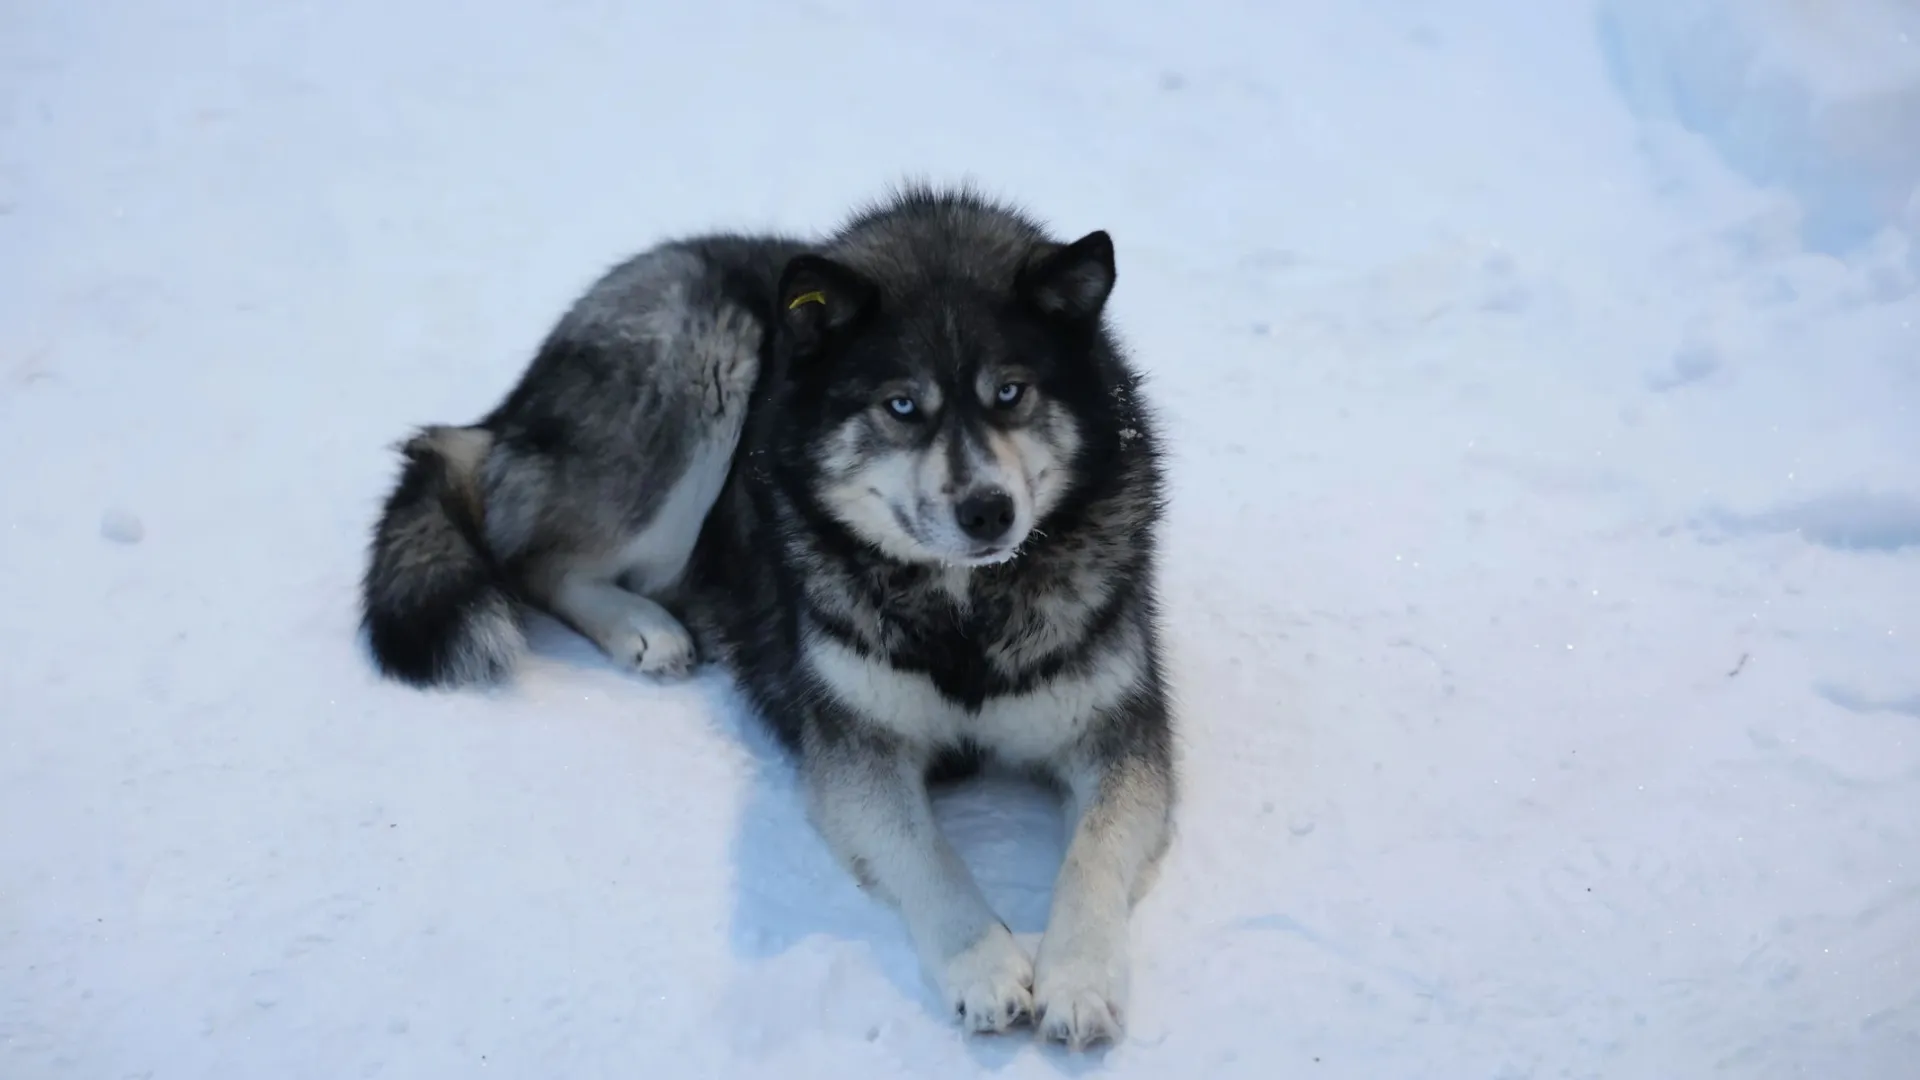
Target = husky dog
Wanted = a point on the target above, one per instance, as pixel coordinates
(902, 483)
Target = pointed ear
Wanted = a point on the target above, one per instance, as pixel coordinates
(820, 297)
(1069, 281)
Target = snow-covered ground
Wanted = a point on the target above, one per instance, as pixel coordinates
(1543, 577)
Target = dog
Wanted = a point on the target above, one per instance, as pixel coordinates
(903, 483)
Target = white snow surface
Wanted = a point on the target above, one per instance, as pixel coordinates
(1543, 381)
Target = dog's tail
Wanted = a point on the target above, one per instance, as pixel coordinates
(434, 605)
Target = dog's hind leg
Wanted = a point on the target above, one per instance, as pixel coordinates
(633, 630)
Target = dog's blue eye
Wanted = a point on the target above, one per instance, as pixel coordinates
(1009, 393)
(902, 406)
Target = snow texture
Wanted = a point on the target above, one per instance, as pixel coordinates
(1544, 380)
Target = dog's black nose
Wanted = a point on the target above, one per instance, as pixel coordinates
(985, 515)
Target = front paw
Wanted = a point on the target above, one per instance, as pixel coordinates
(1079, 995)
(989, 985)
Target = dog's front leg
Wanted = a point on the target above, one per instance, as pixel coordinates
(1121, 805)
(868, 797)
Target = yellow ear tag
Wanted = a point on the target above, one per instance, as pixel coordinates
(814, 297)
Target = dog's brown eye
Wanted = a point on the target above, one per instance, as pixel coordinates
(1009, 394)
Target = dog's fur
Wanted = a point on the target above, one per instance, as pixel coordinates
(903, 484)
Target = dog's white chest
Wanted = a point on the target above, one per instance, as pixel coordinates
(1027, 727)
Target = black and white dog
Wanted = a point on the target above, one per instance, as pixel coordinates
(902, 483)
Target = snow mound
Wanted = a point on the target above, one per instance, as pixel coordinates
(1821, 100)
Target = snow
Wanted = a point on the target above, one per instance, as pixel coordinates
(1541, 581)
(1823, 99)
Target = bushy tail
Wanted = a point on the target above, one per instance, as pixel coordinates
(434, 606)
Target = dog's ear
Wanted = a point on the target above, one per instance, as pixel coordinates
(1069, 281)
(820, 297)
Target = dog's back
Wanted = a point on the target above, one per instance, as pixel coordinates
(583, 492)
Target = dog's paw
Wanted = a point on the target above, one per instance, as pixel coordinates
(1078, 999)
(653, 642)
(989, 985)
(667, 653)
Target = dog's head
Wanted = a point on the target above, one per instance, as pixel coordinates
(939, 408)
